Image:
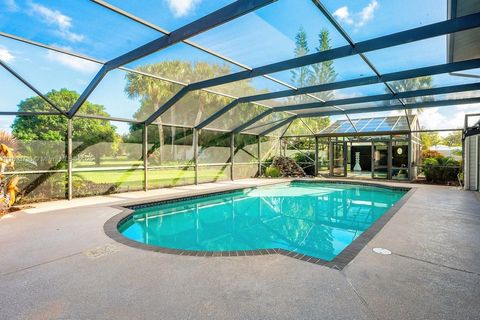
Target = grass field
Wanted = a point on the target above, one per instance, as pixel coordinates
(133, 179)
(108, 162)
(120, 175)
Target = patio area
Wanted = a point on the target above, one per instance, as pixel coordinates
(332, 146)
(57, 263)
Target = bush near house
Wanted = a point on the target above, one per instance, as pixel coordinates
(272, 172)
(430, 154)
(442, 170)
(306, 161)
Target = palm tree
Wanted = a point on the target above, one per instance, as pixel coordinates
(194, 106)
(411, 85)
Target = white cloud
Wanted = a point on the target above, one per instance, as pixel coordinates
(181, 8)
(78, 64)
(11, 5)
(432, 118)
(58, 20)
(367, 13)
(358, 19)
(343, 14)
(6, 55)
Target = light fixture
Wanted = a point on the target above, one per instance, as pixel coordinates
(399, 150)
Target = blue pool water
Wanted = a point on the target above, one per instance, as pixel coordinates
(316, 219)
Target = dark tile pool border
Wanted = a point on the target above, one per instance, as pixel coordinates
(339, 262)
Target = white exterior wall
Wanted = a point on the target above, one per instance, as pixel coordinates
(472, 163)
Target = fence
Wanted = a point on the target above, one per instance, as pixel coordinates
(78, 163)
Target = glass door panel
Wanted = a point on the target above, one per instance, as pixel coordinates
(380, 160)
(400, 160)
(323, 157)
(339, 159)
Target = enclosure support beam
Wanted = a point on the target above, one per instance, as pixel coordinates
(179, 95)
(388, 77)
(416, 34)
(409, 157)
(339, 102)
(427, 104)
(389, 160)
(145, 157)
(372, 159)
(252, 121)
(195, 153)
(383, 97)
(217, 114)
(278, 125)
(316, 156)
(69, 160)
(345, 35)
(29, 85)
(212, 20)
(232, 155)
(188, 42)
(330, 157)
(394, 76)
(259, 150)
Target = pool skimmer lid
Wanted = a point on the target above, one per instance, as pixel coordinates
(382, 251)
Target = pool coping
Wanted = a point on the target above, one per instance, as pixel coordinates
(339, 262)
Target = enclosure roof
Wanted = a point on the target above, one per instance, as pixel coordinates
(264, 67)
(370, 125)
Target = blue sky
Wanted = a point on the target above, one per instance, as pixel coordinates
(264, 36)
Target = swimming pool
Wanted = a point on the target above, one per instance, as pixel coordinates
(314, 219)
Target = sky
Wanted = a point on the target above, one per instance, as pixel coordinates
(261, 37)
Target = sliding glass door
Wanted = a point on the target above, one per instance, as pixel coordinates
(339, 159)
(380, 160)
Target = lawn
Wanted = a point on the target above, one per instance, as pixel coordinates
(133, 179)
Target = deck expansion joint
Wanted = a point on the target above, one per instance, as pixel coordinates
(435, 264)
(41, 264)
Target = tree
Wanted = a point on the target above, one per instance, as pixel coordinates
(430, 139)
(410, 85)
(47, 128)
(323, 72)
(453, 139)
(153, 92)
(317, 124)
(47, 133)
(193, 108)
(318, 73)
(302, 76)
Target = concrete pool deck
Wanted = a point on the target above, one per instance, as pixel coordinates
(57, 263)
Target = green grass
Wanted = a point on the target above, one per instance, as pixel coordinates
(115, 162)
(156, 178)
(110, 162)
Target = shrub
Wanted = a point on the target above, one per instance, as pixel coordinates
(441, 169)
(430, 154)
(272, 172)
(268, 161)
(8, 140)
(306, 161)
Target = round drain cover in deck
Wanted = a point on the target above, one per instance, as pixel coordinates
(382, 251)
